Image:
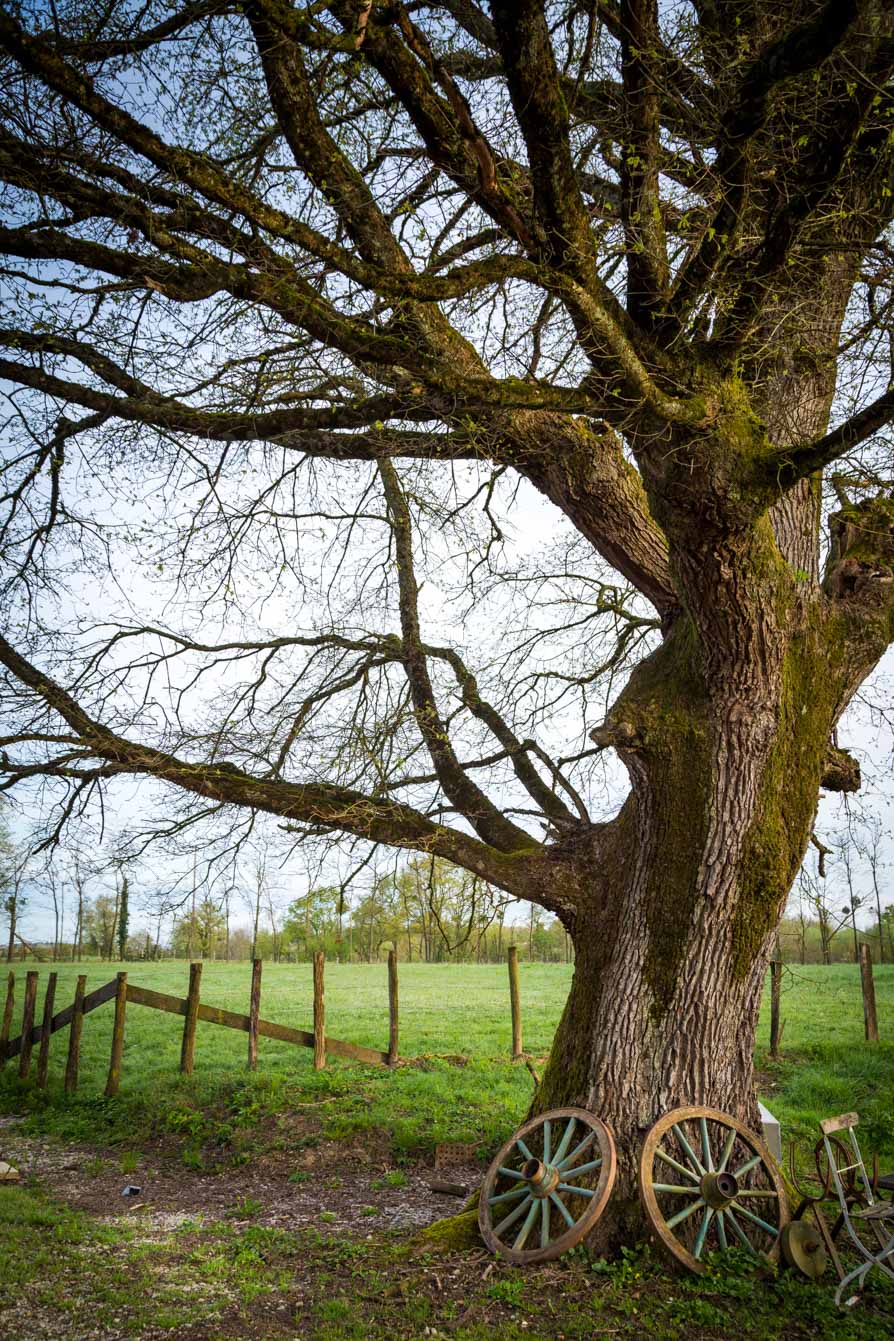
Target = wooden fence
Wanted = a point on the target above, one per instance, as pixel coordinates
(191, 1007)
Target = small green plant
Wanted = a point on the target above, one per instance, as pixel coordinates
(369, 1210)
(510, 1290)
(394, 1178)
(128, 1161)
(298, 1176)
(328, 1217)
(246, 1209)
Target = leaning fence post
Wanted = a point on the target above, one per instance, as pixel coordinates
(319, 1013)
(28, 1023)
(6, 1024)
(254, 1011)
(392, 1008)
(43, 1056)
(515, 1004)
(188, 1047)
(74, 1036)
(117, 1037)
(870, 1018)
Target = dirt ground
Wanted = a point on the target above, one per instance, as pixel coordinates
(286, 1188)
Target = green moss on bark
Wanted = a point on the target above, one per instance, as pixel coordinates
(780, 831)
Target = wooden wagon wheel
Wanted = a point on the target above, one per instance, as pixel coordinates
(549, 1183)
(707, 1182)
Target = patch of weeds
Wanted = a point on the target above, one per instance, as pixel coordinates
(298, 1176)
(128, 1161)
(246, 1209)
(328, 1217)
(509, 1290)
(369, 1210)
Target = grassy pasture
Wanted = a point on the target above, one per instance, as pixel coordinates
(78, 1272)
(448, 1012)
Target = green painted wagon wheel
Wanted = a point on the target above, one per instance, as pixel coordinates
(547, 1186)
(708, 1183)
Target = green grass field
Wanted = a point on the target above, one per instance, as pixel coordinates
(446, 1012)
(70, 1268)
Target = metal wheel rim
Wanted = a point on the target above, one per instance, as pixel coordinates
(587, 1140)
(759, 1177)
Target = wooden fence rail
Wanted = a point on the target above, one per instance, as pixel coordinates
(190, 1007)
(98, 997)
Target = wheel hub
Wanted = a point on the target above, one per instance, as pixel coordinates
(719, 1190)
(543, 1179)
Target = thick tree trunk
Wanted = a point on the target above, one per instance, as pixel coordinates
(725, 747)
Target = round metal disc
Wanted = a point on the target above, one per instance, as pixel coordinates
(803, 1249)
(547, 1186)
(695, 1211)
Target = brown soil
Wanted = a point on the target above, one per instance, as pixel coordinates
(339, 1184)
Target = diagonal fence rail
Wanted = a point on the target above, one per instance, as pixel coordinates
(190, 1007)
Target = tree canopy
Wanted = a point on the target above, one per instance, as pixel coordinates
(299, 300)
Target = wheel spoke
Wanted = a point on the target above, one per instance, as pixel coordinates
(738, 1231)
(507, 1196)
(526, 1228)
(721, 1231)
(747, 1166)
(578, 1191)
(696, 1162)
(769, 1229)
(684, 1214)
(523, 1148)
(727, 1150)
(544, 1223)
(511, 1173)
(703, 1232)
(560, 1206)
(578, 1150)
(565, 1142)
(706, 1145)
(672, 1187)
(674, 1164)
(758, 1192)
(513, 1216)
(582, 1168)
(547, 1134)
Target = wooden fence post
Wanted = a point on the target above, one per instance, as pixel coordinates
(188, 1047)
(775, 1001)
(319, 1013)
(254, 1012)
(28, 1023)
(43, 1056)
(6, 1024)
(392, 1008)
(117, 1038)
(515, 1004)
(870, 1018)
(74, 1036)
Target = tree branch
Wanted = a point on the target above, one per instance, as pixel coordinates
(468, 798)
(325, 805)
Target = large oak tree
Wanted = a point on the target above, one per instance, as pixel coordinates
(622, 252)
